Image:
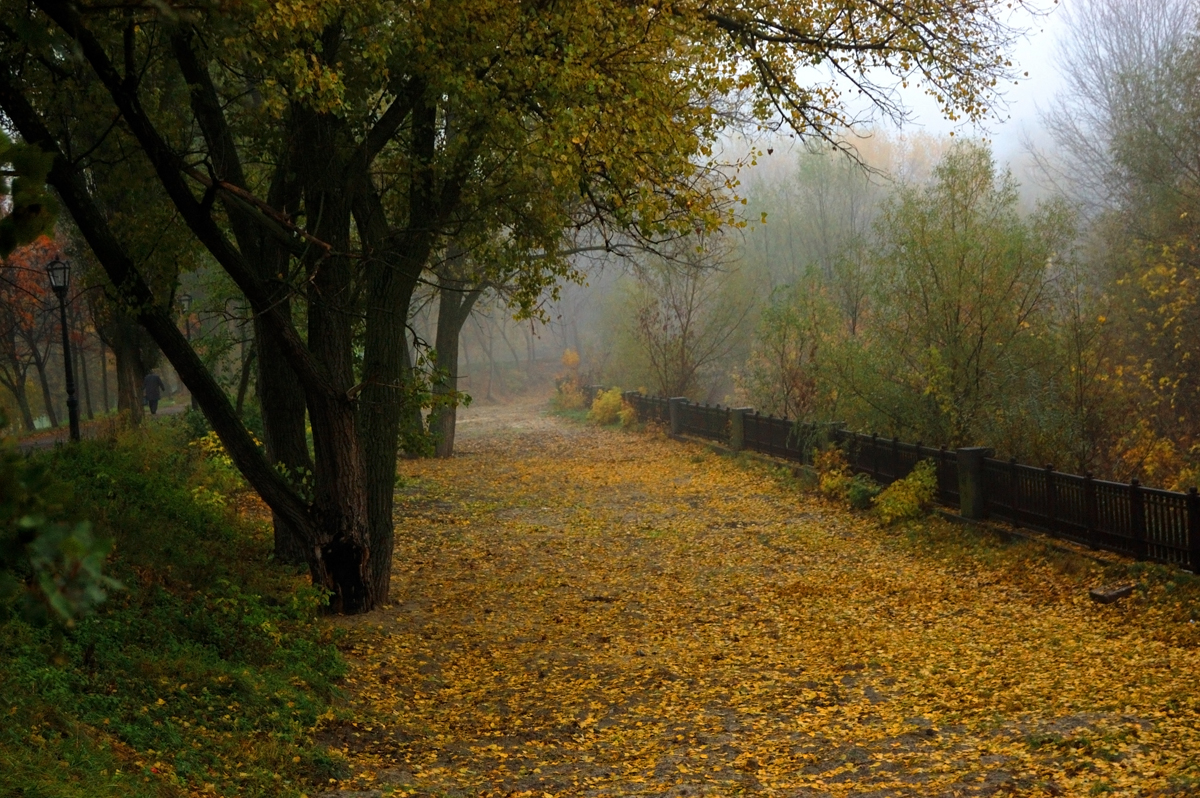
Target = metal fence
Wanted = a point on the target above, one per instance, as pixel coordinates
(1146, 523)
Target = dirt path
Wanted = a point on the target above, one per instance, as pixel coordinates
(585, 612)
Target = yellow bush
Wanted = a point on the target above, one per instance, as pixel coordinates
(570, 360)
(910, 497)
(627, 414)
(568, 395)
(833, 472)
(606, 408)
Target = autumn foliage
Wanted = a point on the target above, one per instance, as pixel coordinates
(589, 612)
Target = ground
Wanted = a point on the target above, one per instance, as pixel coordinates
(592, 612)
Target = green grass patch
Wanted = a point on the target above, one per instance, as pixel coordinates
(207, 673)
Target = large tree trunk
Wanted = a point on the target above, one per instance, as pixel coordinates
(283, 411)
(343, 562)
(383, 406)
(334, 524)
(454, 308)
(244, 378)
(131, 371)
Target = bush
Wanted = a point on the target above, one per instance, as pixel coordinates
(627, 415)
(835, 480)
(910, 497)
(568, 394)
(861, 491)
(607, 407)
(833, 473)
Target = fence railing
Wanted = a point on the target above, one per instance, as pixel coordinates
(1131, 519)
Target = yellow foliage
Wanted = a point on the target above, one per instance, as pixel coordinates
(606, 407)
(624, 599)
(570, 359)
(910, 497)
(568, 394)
(833, 473)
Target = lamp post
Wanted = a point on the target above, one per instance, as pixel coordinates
(59, 273)
(185, 302)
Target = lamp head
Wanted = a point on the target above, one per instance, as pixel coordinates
(60, 274)
(185, 302)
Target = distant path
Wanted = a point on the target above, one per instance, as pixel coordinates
(583, 612)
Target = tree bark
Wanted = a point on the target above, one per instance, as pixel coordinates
(131, 371)
(454, 308)
(83, 374)
(104, 375)
(39, 363)
(18, 388)
(244, 379)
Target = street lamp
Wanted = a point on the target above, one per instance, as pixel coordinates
(185, 302)
(60, 275)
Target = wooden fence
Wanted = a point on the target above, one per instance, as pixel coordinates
(1141, 522)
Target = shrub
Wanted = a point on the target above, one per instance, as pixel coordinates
(910, 497)
(835, 480)
(833, 472)
(627, 414)
(568, 394)
(861, 491)
(606, 407)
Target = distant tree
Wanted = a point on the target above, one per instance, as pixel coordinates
(29, 323)
(688, 313)
(959, 301)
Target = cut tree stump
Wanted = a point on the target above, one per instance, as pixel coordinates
(1107, 595)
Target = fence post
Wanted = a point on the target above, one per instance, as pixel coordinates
(1193, 526)
(737, 427)
(1014, 491)
(1051, 497)
(895, 457)
(875, 456)
(675, 410)
(972, 493)
(941, 473)
(1090, 513)
(1137, 516)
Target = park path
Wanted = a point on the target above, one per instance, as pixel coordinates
(588, 612)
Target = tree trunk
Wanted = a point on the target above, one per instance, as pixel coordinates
(81, 366)
(17, 387)
(22, 397)
(343, 563)
(104, 375)
(131, 372)
(454, 308)
(384, 406)
(39, 363)
(244, 379)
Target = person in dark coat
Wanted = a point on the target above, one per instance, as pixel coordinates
(153, 388)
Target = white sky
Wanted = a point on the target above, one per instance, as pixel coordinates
(1036, 55)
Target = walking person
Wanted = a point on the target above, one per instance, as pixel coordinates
(152, 389)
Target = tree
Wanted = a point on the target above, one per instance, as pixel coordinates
(688, 314)
(962, 285)
(1126, 131)
(30, 321)
(320, 154)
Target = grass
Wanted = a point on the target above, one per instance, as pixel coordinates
(206, 674)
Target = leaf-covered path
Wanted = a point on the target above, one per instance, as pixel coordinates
(585, 612)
